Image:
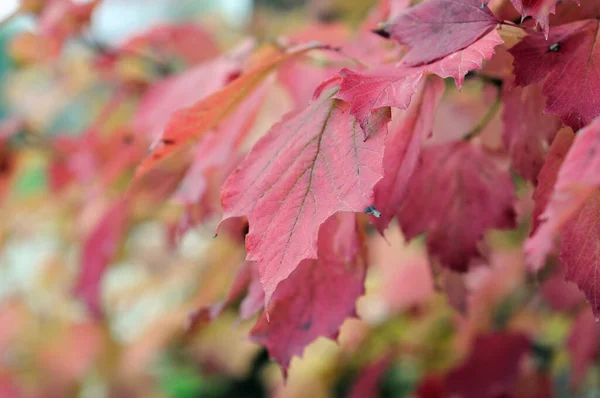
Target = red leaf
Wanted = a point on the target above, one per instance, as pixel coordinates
(172, 93)
(367, 382)
(583, 345)
(549, 172)
(538, 9)
(98, 250)
(188, 124)
(63, 18)
(437, 28)
(580, 250)
(318, 296)
(566, 63)
(456, 194)
(187, 41)
(491, 369)
(370, 90)
(402, 149)
(255, 297)
(526, 129)
(309, 166)
(577, 180)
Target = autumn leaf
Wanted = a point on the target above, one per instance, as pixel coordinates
(437, 28)
(386, 86)
(539, 10)
(549, 173)
(310, 165)
(403, 146)
(98, 250)
(577, 181)
(319, 294)
(583, 345)
(188, 124)
(492, 367)
(567, 64)
(527, 130)
(456, 194)
(580, 248)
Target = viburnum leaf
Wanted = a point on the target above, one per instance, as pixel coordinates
(577, 181)
(537, 9)
(403, 145)
(319, 294)
(580, 248)
(436, 28)
(549, 173)
(492, 367)
(367, 382)
(568, 65)
(98, 250)
(526, 129)
(188, 124)
(385, 86)
(165, 97)
(583, 345)
(456, 194)
(309, 166)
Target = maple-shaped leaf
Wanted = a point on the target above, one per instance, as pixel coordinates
(549, 173)
(455, 195)
(537, 9)
(492, 367)
(583, 345)
(567, 63)
(526, 129)
(436, 28)
(309, 166)
(188, 124)
(577, 181)
(98, 250)
(403, 145)
(386, 86)
(318, 296)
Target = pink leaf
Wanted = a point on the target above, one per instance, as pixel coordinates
(437, 28)
(526, 129)
(385, 86)
(583, 345)
(318, 296)
(549, 172)
(538, 9)
(309, 166)
(580, 250)
(456, 194)
(567, 64)
(577, 180)
(403, 146)
(99, 249)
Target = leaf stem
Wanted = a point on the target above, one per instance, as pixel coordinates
(485, 120)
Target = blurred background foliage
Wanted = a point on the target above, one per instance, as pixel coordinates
(68, 101)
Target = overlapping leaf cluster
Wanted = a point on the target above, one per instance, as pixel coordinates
(372, 130)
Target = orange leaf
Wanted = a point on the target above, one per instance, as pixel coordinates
(189, 124)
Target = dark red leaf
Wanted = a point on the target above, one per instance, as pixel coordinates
(566, 63)
(319, 294)
(491, 369)
(456, 194)
(437, 28)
